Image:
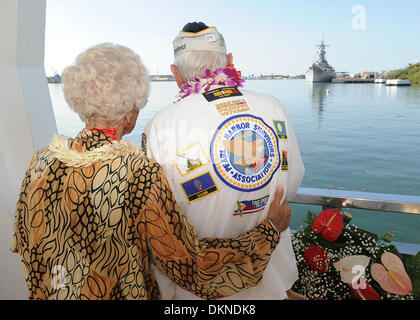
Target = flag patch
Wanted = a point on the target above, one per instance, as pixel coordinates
(251, 206)
(280, 126)
(199, 187)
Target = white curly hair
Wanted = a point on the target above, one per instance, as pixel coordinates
(105, 83)
(195, 63)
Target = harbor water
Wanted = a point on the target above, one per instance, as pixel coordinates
(361, 137)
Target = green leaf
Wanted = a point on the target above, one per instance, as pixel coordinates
(387, 236)
(347, 217)
(412, 266)
(310, 217)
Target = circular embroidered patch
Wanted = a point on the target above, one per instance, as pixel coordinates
(244, 152)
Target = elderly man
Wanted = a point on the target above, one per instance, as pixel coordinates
(225, 149)
(94, 213)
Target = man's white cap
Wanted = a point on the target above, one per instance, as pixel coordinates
(205, 40)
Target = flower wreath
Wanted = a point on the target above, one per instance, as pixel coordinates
(228, 76)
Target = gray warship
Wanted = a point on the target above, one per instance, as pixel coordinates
(320, 71)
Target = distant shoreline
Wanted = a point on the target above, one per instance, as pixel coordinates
(411, 72)
(155, 80)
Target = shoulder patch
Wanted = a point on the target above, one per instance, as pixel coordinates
(221, 93)
(250, 206)
(199, 187)
(280, 127)
(232, 107)
(191, 159)
(284, 162)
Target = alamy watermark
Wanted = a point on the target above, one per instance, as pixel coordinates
(359, 280)
(59, 277)
(359, 19)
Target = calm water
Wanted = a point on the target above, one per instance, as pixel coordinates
(361, 137)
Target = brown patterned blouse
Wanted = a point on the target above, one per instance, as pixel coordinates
(93, 214)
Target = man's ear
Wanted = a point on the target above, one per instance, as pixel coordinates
(180, 82)
(229, 59)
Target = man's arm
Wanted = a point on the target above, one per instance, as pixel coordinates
(210, 268)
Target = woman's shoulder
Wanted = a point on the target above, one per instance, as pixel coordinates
(41, 159)
(142, 165)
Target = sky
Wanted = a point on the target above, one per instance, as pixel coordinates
(264, 36)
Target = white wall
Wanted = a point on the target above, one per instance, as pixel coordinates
(26, 119)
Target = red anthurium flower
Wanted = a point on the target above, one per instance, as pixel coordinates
(329, 223)
(363, 291)
(317, 259)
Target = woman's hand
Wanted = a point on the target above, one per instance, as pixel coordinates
(279, 213)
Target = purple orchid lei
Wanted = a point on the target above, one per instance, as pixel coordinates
(223, 77)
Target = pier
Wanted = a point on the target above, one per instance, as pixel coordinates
(352, 80)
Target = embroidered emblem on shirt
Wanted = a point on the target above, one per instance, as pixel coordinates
(284, 163)
(251, 206)
(220, 93)
(232, 107)
(244, 152)
(199, 187)
(190, 159)
(280, 127)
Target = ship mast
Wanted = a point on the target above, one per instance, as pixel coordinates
(321, 51)
(322, 60)
(320, 71)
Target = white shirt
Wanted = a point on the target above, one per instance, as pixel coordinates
(224, 159)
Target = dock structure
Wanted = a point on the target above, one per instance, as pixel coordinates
(352, 80)
(398, 82)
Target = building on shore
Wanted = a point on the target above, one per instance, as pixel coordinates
(369, 75)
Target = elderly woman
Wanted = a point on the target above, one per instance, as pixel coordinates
(94, 213)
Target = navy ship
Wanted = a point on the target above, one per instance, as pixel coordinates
(320, 71)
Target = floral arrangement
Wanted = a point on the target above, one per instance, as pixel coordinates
(339, 261)
(228, 76)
